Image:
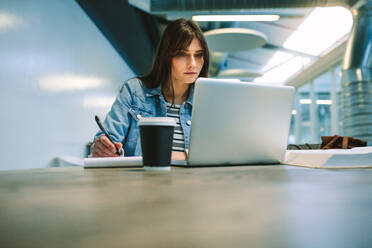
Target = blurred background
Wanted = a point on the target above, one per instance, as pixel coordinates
(63, 61)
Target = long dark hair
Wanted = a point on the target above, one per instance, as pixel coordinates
(176, 37)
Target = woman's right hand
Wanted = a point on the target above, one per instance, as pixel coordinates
(104, 148)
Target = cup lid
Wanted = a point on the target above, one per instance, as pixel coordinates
(158, 121)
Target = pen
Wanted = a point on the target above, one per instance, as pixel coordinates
(103, 129)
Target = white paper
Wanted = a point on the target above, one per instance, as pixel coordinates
(359, 157)
(113, 162)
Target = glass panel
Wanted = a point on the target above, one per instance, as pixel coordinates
(292, 135)
(304, 102)
(322, 93)
(323, 103)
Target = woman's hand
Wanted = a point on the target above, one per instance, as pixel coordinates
(104, 148)
(178, 155)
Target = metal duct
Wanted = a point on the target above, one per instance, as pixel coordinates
(162, 6)
(356, 77)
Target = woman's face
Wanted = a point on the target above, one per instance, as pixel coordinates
(187, 65)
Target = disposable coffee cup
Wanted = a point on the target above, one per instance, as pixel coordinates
(156, 142)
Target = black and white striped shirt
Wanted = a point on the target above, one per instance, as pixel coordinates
(173, 111)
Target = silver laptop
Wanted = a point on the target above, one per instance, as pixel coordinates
(237, 122)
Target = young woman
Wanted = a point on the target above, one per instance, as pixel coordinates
(167, 90)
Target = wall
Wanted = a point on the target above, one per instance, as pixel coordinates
(56, 72)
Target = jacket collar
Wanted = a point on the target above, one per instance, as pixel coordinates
(190, 99)
(157, 92)
(153, 92)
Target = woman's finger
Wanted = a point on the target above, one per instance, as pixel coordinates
(106, 142)
(102, 150)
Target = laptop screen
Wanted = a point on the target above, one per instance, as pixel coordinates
(236, 122)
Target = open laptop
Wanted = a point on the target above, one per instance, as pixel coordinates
(236, 122)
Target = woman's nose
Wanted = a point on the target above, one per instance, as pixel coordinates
(192, 61)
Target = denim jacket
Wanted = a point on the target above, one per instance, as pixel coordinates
(133, 102)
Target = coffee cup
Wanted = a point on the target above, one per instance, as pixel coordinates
(156, 142)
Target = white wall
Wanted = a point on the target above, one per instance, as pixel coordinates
(56, 71)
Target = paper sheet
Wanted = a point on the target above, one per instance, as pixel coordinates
(113, 162)
(360, 157)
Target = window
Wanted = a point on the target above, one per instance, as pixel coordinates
(317, 109)
(322, 105)
(304, 102)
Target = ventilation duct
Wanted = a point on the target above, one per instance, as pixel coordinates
(163, 6)
(356, 77)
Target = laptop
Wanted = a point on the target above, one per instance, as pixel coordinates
(238, 123)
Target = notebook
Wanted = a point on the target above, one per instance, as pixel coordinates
(112, 162)
(236, 122)
(357, 157)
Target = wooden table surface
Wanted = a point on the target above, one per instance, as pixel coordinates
(243, 206)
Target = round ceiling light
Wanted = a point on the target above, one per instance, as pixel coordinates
(234, 39)
(238, 73)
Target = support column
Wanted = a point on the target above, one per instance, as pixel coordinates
(356, 76)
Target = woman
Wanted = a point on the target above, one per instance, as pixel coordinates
(167, 90)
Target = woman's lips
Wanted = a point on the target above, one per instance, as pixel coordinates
(190, 73)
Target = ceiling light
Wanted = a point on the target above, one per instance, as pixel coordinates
(234, 39)
(305, 101)
(324, 102)
(320, 30)
(319, 102)
(238, 73)
(277, 59)
(279, 73)
(235, 18)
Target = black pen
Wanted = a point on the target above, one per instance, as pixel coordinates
(103, 129)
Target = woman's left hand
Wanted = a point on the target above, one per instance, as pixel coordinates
(178, 155)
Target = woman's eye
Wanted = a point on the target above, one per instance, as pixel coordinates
(199, 55)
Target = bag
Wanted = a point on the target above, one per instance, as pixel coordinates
(303, 146)
(341, 142)
(331, 142)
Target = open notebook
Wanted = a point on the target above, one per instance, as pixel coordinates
(358, 157)
(113, 162)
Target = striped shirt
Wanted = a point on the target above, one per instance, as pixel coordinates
(173, 111)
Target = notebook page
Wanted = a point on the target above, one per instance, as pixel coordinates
(113, 162)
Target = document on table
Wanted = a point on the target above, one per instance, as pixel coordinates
(359, 157)
(113, 162)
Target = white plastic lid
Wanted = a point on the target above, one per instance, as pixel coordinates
(156, 121)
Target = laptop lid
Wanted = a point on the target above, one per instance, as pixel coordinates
(237, 122)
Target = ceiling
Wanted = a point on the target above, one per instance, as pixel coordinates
(158, 13)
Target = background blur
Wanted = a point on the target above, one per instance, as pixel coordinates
(62, 62)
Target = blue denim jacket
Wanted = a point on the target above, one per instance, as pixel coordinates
(135, 101)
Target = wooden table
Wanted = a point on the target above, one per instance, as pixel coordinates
(245, 206)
